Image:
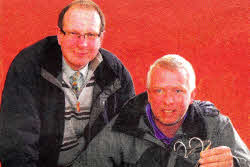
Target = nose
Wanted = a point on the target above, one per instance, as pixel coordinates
(82, 42)
(168, 99)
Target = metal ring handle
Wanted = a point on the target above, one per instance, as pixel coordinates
(185, 155)
(202, 144)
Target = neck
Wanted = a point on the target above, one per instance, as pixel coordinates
(75, 67)
(168, 131)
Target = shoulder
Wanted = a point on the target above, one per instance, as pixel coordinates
(136, 103)
(112, 68)
(32, 54)
(206, 108)
(27, 64)
(109, 57)
(41, 45)
(131, 113)
(113, 62)
(206, 115)
(211, 114)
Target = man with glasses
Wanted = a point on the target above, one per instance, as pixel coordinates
(166, 127)
(60, 92)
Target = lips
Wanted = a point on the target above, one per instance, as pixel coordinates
(167, 111)
(82, 53)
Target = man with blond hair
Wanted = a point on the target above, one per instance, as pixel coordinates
(60, 92)
(166, 127)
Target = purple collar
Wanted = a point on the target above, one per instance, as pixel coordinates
(158, 134)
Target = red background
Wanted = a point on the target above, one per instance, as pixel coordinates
(211, 34)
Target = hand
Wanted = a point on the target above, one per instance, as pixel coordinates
(216, 157)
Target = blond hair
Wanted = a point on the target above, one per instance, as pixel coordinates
(173, 62)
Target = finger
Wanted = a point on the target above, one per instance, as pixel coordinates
(225, 157)
(215, 151)
(218, 164)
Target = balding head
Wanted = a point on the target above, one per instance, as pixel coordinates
(85, 4)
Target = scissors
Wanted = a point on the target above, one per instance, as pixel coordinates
(186, 153)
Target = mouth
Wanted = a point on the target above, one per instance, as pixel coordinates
(168, 111)
(82, 53)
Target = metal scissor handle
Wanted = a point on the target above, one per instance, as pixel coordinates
(189, 145)
(196, 138)
(202, 145)
(185, 148)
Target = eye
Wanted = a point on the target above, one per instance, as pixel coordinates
(157, 91)
(74, 34)
(178, 91)
(90, 35)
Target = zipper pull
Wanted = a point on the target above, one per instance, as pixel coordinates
(78, 106)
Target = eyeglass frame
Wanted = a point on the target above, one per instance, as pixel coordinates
(79, 35)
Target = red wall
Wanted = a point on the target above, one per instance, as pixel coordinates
(211, 34)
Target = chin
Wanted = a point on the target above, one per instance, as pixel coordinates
(170, 122)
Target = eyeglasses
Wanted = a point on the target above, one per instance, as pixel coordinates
(202, 144)
(76, 36)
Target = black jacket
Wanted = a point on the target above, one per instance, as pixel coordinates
(129, 141)
(32, 111)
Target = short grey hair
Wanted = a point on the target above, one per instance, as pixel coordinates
(173, 62)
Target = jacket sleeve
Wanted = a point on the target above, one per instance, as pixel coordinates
(19, 118)
(228, 136)
(224, 134)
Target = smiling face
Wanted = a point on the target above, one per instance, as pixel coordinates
(79, 52)
(169, 95)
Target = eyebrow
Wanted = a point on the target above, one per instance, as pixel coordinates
(172, 86)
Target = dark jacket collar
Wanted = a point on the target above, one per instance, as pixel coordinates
(130, 115)
(52, 56)
(106, 73)
(134, 110)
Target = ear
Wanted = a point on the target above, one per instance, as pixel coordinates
(149, 96)
(102, 36)
(193, 94)
(60, 35)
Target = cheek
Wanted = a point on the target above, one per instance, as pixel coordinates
(183, 102)
(67, 45)
(97, 45)
(155, 104)
(94, 43)
(154, 100)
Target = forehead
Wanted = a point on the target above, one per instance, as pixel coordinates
(164, 77)
(79, 17)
